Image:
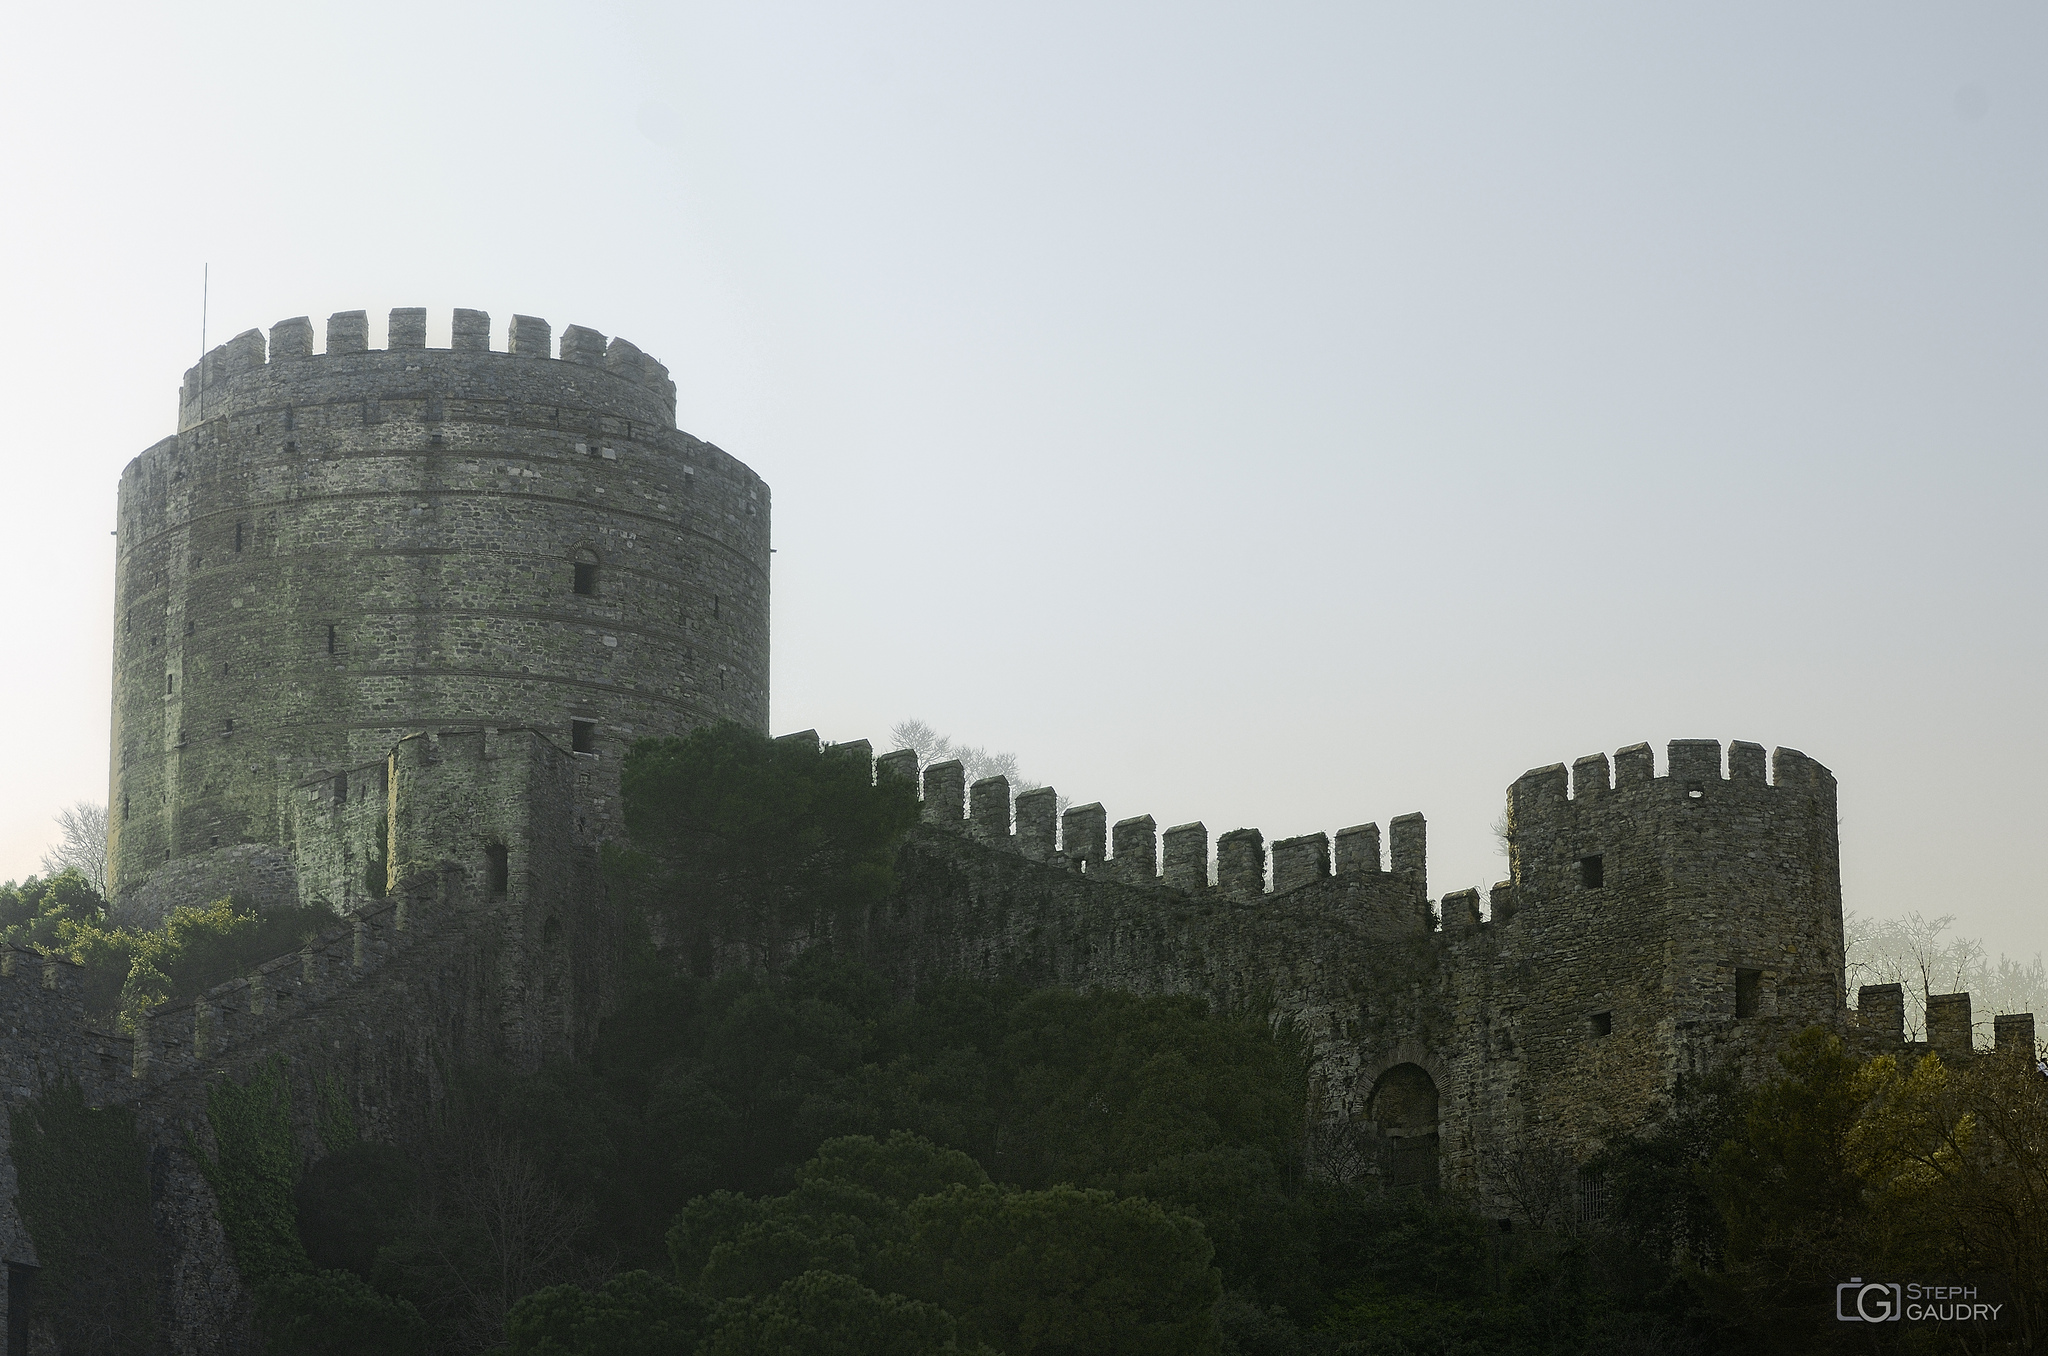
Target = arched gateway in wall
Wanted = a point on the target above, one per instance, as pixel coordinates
(1403, 1110)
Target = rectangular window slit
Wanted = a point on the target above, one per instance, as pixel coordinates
(1592, 872)
(1749, 988)
(1603, 1023)
(583, 736)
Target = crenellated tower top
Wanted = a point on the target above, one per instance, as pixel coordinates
(245, 369)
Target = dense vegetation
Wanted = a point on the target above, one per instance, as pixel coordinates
(791, 1157)
(129, 970)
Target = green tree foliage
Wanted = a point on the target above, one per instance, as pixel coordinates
(335, 1313)
(255, 1172)
(32, 912)
(83, 1191)
(698, 1086)
(847, 1210)
(904, 1221)
(353, 1202)
(824, 1313)
(487, 1227)
(1657, 1183)
(1955, 1170)
(128, 971)
(632, 1314)
(1757, 1202)
(198, 948)
(736, 827)
(1064, 1270)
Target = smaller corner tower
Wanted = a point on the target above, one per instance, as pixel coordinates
(1689, 922)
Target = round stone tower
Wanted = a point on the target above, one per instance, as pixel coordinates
(338, 549)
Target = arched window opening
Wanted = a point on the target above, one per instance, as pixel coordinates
(586, 573)
(1403, 1110)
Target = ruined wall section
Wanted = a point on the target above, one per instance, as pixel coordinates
(337, 549)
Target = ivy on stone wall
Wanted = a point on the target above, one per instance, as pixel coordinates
(334, 1118)
(254, 1172)
(82, 1182)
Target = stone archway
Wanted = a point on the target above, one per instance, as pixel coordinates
(1403, 1109)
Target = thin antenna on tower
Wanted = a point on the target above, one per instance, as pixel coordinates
(205, 286)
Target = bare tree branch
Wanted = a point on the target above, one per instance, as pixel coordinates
(83, 846)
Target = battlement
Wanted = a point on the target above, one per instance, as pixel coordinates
(1877, 1026)
(1694, 773)
(347, 334)
(1133, 851)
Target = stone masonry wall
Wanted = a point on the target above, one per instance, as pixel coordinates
(258, 875)
(337, 549)
(1654, 928)
(466, 958)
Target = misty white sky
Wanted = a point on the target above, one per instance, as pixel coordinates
(1280, 415)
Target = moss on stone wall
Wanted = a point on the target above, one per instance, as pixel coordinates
(254, 1172)
(83, 1191)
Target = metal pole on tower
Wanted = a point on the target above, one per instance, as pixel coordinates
(205, 286)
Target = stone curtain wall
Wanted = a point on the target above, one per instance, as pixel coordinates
(337, 549)
(1706, 934)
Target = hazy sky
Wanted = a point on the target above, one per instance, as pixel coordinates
(1274, 415)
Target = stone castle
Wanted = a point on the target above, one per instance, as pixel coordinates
(388, 618)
